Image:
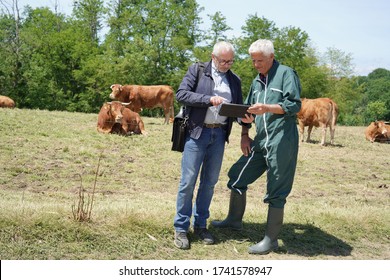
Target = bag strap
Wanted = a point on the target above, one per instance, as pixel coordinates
(199, 71)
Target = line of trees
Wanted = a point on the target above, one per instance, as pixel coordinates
(53, 61)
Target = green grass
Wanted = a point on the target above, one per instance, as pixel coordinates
(338, 209)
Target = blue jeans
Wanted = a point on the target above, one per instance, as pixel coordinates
(206, 153)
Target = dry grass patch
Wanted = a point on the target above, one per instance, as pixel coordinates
(338, 209)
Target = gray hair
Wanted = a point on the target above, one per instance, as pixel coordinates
(263, 46)
(221, 46)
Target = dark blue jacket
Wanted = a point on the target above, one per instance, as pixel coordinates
(195, 95)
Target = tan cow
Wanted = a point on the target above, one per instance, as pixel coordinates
(114, 117)
(378, 131)
(150, 97)
(6, 102)
(319, 112)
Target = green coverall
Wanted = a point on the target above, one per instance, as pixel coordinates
(275, 146)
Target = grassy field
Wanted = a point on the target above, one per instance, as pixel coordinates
(339, 207)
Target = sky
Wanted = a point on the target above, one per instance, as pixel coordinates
(357, 27)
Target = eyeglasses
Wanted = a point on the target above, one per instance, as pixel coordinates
(224, 62)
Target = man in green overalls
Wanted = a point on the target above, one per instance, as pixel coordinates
(275, 99)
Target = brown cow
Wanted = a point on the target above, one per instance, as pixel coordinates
(6, 102)
(378, 131)
(318, 112)
(114, 117)
(145, 97)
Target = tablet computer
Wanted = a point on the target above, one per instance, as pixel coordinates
(233, 110)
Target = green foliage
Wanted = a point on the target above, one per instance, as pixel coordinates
(53, 61)
(290, 47)
(254, 29)
(338, 62)
(218, 28)
(348, 95)
(379, 73)
(376, 110)
(376, 96)
(89, 15)
(12, 83)
(155, 39)
(46, 59)
(314, 81)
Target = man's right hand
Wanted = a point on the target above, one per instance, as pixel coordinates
(248, 118)
(246, 144)
(217, 100)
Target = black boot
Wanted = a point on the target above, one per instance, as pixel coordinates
(236, 212)
(270, 240)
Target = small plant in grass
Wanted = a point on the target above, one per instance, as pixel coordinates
(84, 210)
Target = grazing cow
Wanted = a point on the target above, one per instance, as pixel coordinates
(6, 102)
(378, 131)
(317, 112)
(114, 117)
(149, 97)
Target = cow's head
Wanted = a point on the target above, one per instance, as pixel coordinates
(385, 132)
(381, 126)
(114, 110)
(116, 89)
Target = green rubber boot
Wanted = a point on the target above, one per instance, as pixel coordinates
(236, 212)
(270, 240)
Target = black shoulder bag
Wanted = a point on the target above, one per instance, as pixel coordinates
(180, 121)
(179, 130)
